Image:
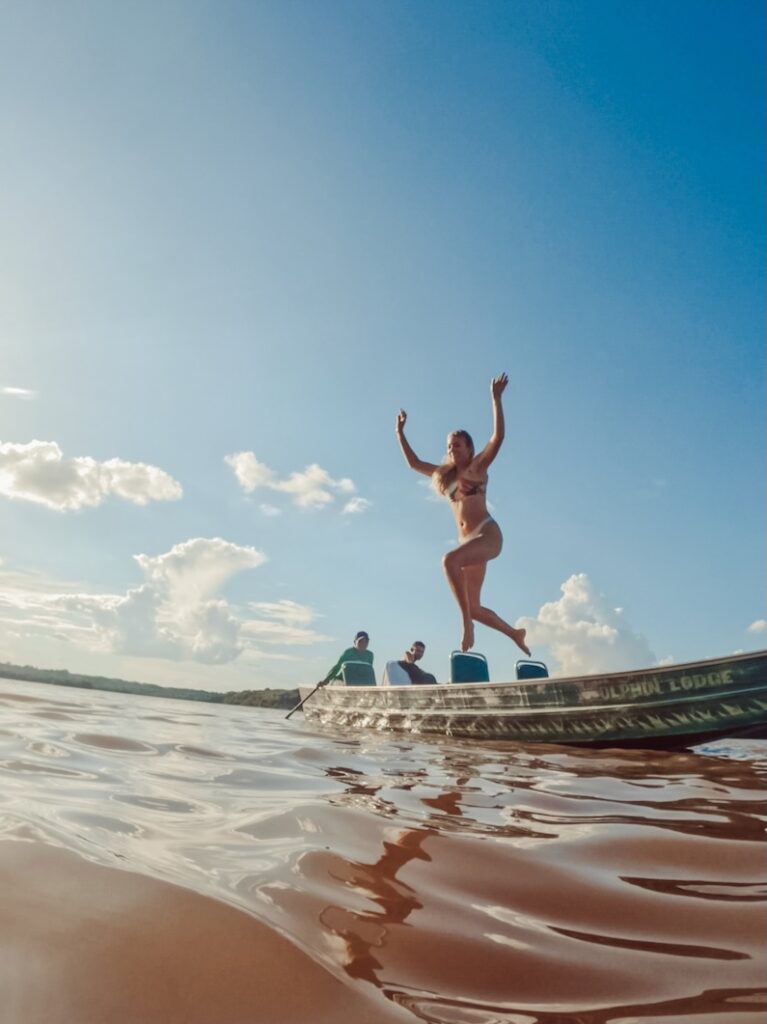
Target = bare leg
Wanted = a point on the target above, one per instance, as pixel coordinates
(455, 578)
(475, 553)
(474, 576)
(489, 618)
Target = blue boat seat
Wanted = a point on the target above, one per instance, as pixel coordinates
(358, 673)
(531, 670)
(469, 667)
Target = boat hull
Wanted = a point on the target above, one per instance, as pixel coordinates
(673, 706)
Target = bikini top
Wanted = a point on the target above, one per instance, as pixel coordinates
(460, 489)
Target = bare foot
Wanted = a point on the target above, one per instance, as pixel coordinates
(519, 640)
(467, 640)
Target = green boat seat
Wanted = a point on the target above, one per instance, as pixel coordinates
(468, 668)
(358, 673)
(531, 670)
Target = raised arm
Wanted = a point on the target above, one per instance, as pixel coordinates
(427, 468)
(491, 449)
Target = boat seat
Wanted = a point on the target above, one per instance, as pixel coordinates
(531, 670)
(358, 673)
(394, 675)
(468, 667)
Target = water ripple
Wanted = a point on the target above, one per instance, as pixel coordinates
(469, 883)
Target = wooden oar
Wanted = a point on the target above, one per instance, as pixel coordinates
(306, 698)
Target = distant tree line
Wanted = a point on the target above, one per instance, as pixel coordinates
(62, 677)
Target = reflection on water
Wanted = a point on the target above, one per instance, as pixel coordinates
(464, 883)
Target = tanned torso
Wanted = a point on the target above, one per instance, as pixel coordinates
(469, 510)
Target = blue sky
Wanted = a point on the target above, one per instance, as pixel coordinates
(263, 228)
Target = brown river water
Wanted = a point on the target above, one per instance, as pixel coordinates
(168, 862)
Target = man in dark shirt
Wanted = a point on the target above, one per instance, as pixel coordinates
(408, 663)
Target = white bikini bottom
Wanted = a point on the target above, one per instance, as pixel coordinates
(477, 531)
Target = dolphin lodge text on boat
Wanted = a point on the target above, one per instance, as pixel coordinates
(671, 706)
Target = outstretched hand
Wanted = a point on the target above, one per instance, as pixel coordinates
(401, 420)
(498, 384)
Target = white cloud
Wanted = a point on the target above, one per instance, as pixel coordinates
(760, 626)
(256, 655)
(270, 510)
(176, 613)
(24, 393)
(38, 472)
(214, 633)
(585, 633)
(249, 471)
(195, 570)
(282, 633)
(177, 609)
(33, 607)
(355, 505)
(283, 622)
(290, 612)
(312, 488)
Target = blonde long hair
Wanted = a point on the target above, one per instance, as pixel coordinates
(445, 474)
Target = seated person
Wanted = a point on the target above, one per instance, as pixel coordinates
(408, 663)
(358, 652)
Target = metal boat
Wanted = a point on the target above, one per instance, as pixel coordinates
(671, 706)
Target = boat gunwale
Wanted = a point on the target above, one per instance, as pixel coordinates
(493, 711)
(603, 678)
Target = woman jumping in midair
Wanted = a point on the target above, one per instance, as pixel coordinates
(462, 479)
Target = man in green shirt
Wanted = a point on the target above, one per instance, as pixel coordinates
(359, 652)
